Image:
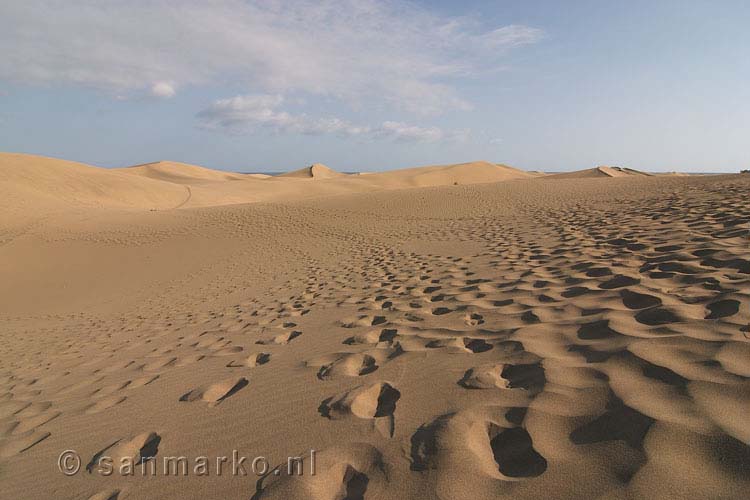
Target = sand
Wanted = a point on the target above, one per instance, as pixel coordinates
(449, 332)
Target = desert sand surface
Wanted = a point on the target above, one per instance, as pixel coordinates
(466, 331)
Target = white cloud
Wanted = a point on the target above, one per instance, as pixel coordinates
(374, 52)
(252, 113)
(163, 89)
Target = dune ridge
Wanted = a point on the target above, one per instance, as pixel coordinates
(47, 184)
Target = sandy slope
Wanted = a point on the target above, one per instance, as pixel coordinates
(37, 183)
(573, 338)
(440, 175)
(180, 173)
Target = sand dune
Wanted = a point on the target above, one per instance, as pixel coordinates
(599, 172)
(47, 184)
(512, 336)
(441, 175)
(34, 183)
(180, 173)
(315, 171)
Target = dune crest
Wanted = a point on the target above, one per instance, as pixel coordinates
(314, 171)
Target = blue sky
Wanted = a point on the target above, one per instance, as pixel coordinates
(365, 85)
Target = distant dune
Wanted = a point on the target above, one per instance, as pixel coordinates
(476, 172)
(33, 184)
(180, 173)
(315, 171)
(602, 171)
(48, 184)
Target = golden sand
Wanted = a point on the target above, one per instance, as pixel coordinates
(451, 332)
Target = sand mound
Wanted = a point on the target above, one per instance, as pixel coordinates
(475, 172)
(35, 184)
(314, 171)
(601, 172)
(180, 173)
(214, 394)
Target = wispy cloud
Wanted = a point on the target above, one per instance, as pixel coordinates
(254, 113)
(374, 52)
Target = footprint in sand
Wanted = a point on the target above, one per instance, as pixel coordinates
(348, 364)
(656, 316)
(189, 360)
(110, 389)
(530, 318)
(514, 453)
(228, 351)
(618, 422)
(207, 340)
(104, 404)
(635, 300)
(28, 423)
(214, 394)
(474, 319)
(475, 346)
(77, 386)
(281, 339)
(597, 330)
(105, 495)
(529, 376)
(722, 309)
(376, 402)
(371, 401)
(352, 472)
(141, 381)
(11, 407)
(372, 337)
(364, 320)
(134, 451)
(255, 359)
(485, 377)
(159, 364)
(481, 443)
(12, 447)
(619, 281)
